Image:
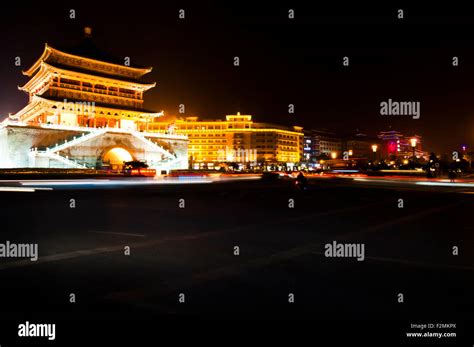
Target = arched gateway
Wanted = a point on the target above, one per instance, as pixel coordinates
(115, 157)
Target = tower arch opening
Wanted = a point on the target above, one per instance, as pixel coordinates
(115, 157)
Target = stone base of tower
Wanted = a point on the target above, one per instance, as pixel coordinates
(78, 147)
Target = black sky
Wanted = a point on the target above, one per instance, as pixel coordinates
(282, 61)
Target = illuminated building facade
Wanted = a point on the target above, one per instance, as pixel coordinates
(85, 110)
(397, 146)
(321, 142)
(237, 139)
(360, 146)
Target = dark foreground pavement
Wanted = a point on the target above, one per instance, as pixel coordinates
(190, 251)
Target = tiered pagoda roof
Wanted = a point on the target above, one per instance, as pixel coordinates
(85, 73)
(87, 57)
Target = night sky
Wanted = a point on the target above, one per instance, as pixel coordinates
(282, 61)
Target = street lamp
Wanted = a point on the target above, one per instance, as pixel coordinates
(413, 145)
(333, 155)
(350, 152)
(374, 149)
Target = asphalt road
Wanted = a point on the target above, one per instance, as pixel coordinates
(190, 250)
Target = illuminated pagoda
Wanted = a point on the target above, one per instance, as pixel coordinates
(85, 110)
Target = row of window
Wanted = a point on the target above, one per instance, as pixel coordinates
(96, 98)
(206, 135)
(200, 127)
(209, 141)
(260, 153)
(206, 147)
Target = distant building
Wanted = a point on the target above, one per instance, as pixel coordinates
(237, 139)
(360, 146)
(395, 145)
(321, 141)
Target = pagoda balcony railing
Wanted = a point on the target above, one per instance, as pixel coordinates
(108, 129)
(68, 86)
(159, 148)
(68, 127)
(164, 135)
(77, 140)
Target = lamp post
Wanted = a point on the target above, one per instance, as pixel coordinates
(333, 155)
(374, 149)
(464, 148)
(413, 145)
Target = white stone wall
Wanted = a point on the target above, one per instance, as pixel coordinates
(16, 142)
(5, 161)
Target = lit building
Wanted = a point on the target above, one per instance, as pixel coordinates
(397, 146)
(237, 139)
(85, 110)
(360, 145)
(321, 142)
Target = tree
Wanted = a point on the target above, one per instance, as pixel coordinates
(322, 156)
